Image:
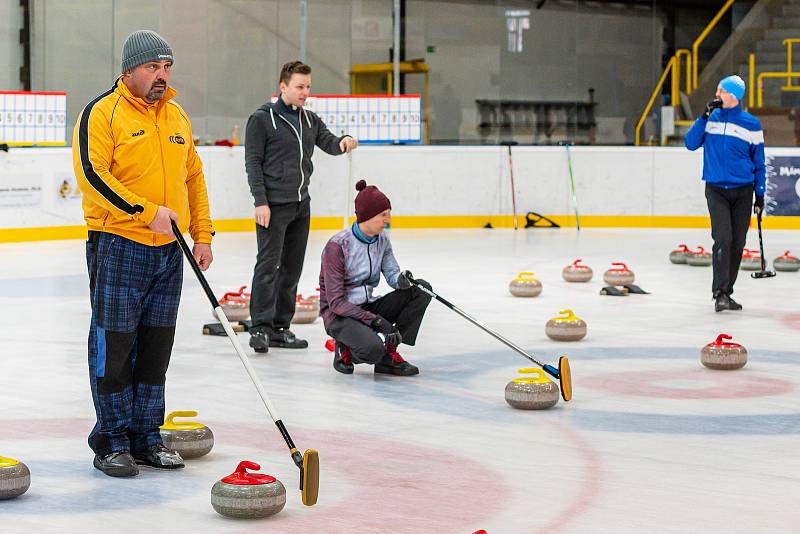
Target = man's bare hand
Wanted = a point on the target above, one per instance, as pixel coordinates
(263, 215)
(202, 255)
(162, 224)
(348, 144)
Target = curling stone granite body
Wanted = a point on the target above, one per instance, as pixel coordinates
(678, 255)
(751, 261)
(723, 355)
(577, 272)
(236, 305)
(305, 311)
(525, 285)
(619, 276)
(190, 439)
(566, 328)
(15, 478)
(236, 312)
(244, 495)
(698, 258)
(535, 392)
(786, 263)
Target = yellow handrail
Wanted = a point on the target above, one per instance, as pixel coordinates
(750, 97)
(656, 92)
(763, 75)
(702, 37)
(678, 54)
(789, 43)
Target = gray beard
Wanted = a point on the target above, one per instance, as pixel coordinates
(154, 95)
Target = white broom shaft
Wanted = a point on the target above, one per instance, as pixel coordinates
(246, 362)
(347, 192)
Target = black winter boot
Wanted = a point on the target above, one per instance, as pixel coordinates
(285, 339)
(394, 364)
(722, 302)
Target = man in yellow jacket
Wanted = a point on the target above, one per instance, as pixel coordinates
(138, 170)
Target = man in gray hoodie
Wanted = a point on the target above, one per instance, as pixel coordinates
(279, 142)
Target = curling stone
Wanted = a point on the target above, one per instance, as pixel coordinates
(15, 478)
(305, 310)
(720, 354)
(236, 305)
(244, 495)
(567, 328)
(786, 263)
(699, 257)
(525, 285)
(618, 276)
(751, 260)
(189, 438)
(576, 272)
(679, 254)
(532, 392)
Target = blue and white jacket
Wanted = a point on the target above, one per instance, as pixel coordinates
(733, 145)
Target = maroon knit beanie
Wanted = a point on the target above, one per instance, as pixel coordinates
(370, 201)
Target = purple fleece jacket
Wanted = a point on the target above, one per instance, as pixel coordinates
(351, 269)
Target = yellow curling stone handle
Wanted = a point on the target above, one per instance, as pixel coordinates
(539, 378)
(525, 276)
(568, 316)
(8, 462)
(171, 424)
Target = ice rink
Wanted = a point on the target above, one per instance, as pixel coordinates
(651, 442)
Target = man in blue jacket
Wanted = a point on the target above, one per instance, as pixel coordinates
(733, 169)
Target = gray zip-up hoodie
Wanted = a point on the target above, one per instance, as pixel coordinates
(277, 153)
(351, 269)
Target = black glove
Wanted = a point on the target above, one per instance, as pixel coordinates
(390, 332)
(424, 284)
(404, 280)
(711, 106)
(758, 205)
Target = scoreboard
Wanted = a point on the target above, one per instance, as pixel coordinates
(33, 119)
(370, 118)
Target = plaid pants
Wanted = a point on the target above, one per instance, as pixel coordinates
(135, 291)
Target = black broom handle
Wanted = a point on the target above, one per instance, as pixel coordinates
(196, 268)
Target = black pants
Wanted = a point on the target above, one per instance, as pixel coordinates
(730, 218)
(404, 308)
(281, 249)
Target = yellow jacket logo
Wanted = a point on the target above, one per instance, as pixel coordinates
(177, 139)
(137, 134)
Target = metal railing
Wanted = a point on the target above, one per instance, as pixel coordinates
(752, 80)
(762, 75)
(789, 75)
(702, 37)
(674, 67)
(790, 86)
(657, 91)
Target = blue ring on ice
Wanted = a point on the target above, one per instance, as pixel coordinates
(462, 374)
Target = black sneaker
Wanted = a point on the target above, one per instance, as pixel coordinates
(341, 359)
(395, 365)
(259, 341)
(159, 457)
(722, 302)
(733, 305)
(117, 464)
(285, 339)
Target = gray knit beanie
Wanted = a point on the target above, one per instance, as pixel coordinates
(143, 46)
